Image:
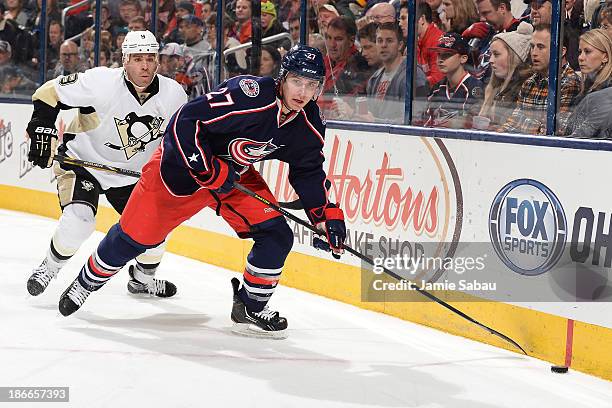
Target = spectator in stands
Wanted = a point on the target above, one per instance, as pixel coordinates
(326, 13)
(15, 11)
(386, 88)
(288, 10)
(369, 51)
(171, 60)
(428, 36)
(345, 68)
(20, 40)
(381, 13)
(197, 74)
(510, 69)
(573, 26)
(529, 116)
(460, 14)
(116, 54)
(105, 58)
(593, 104)
(497, 13)
(206, 9)
(55, 37)
(541, 12)
(235, 63)
(192, 29)
(592, 117)
(456, 97)
(605, 19)
(317, 41)
(294, 30)
(437, 11)
(6, 53)
(13, 82)
(243, 20)
(270, 61)
(271, 26)
(128, 9)
(53, 13)
(172, 34)
(403, 18)
(69, 62)
(137, 24)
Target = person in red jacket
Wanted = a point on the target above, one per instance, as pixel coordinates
(428, 37)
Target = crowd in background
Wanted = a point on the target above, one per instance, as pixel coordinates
(477, 65)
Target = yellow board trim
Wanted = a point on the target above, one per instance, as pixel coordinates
(543, 335)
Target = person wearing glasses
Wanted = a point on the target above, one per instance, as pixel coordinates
(69, 61)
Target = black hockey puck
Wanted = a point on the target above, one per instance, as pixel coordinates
(558, 369)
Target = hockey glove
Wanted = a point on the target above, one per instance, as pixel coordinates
(330, 219)
(43, 142)
(220, 178)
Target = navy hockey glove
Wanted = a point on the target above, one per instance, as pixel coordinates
(330, 219)
(220, 178)
(43, 142)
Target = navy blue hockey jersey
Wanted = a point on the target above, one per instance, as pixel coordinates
(239, 122)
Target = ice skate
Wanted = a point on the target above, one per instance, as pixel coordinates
(40, 278)
(264, 324)
(73, 298)
(142, 283)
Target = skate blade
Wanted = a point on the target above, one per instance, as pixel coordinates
(248, 330)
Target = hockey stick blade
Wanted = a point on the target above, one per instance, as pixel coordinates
(97, 166)
(364, 258)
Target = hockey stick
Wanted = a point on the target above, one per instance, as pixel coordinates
(371, 262)
(239, 187)
(97, 166)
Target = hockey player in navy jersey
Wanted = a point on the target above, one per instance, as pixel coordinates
(211, 143)
(122, 113)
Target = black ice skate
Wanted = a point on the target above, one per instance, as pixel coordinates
(40, 278)
(157, 287)
(73, 298)
(267, 323)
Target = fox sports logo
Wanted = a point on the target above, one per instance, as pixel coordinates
(527, 226)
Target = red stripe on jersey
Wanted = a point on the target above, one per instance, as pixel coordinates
(313, 128)
(260, 281)
(242, 112)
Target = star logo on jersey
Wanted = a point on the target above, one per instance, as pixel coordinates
(246, 151)
(135, 132)
(193, 158)
(87, 185)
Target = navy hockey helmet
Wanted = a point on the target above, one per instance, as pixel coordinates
(304, 61)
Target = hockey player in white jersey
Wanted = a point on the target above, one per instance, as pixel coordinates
(122, 115)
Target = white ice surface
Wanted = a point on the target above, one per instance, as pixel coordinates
(124, 351)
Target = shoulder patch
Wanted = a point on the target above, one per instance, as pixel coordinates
(250, 87)
(68, 79)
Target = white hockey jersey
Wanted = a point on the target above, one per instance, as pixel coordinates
(115, 126)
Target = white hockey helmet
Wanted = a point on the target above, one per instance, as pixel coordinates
(139, 42)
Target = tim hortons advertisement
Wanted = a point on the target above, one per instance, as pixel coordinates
(399, 199)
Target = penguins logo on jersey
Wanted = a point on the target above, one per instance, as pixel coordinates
(135, 132)
(246, 151)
